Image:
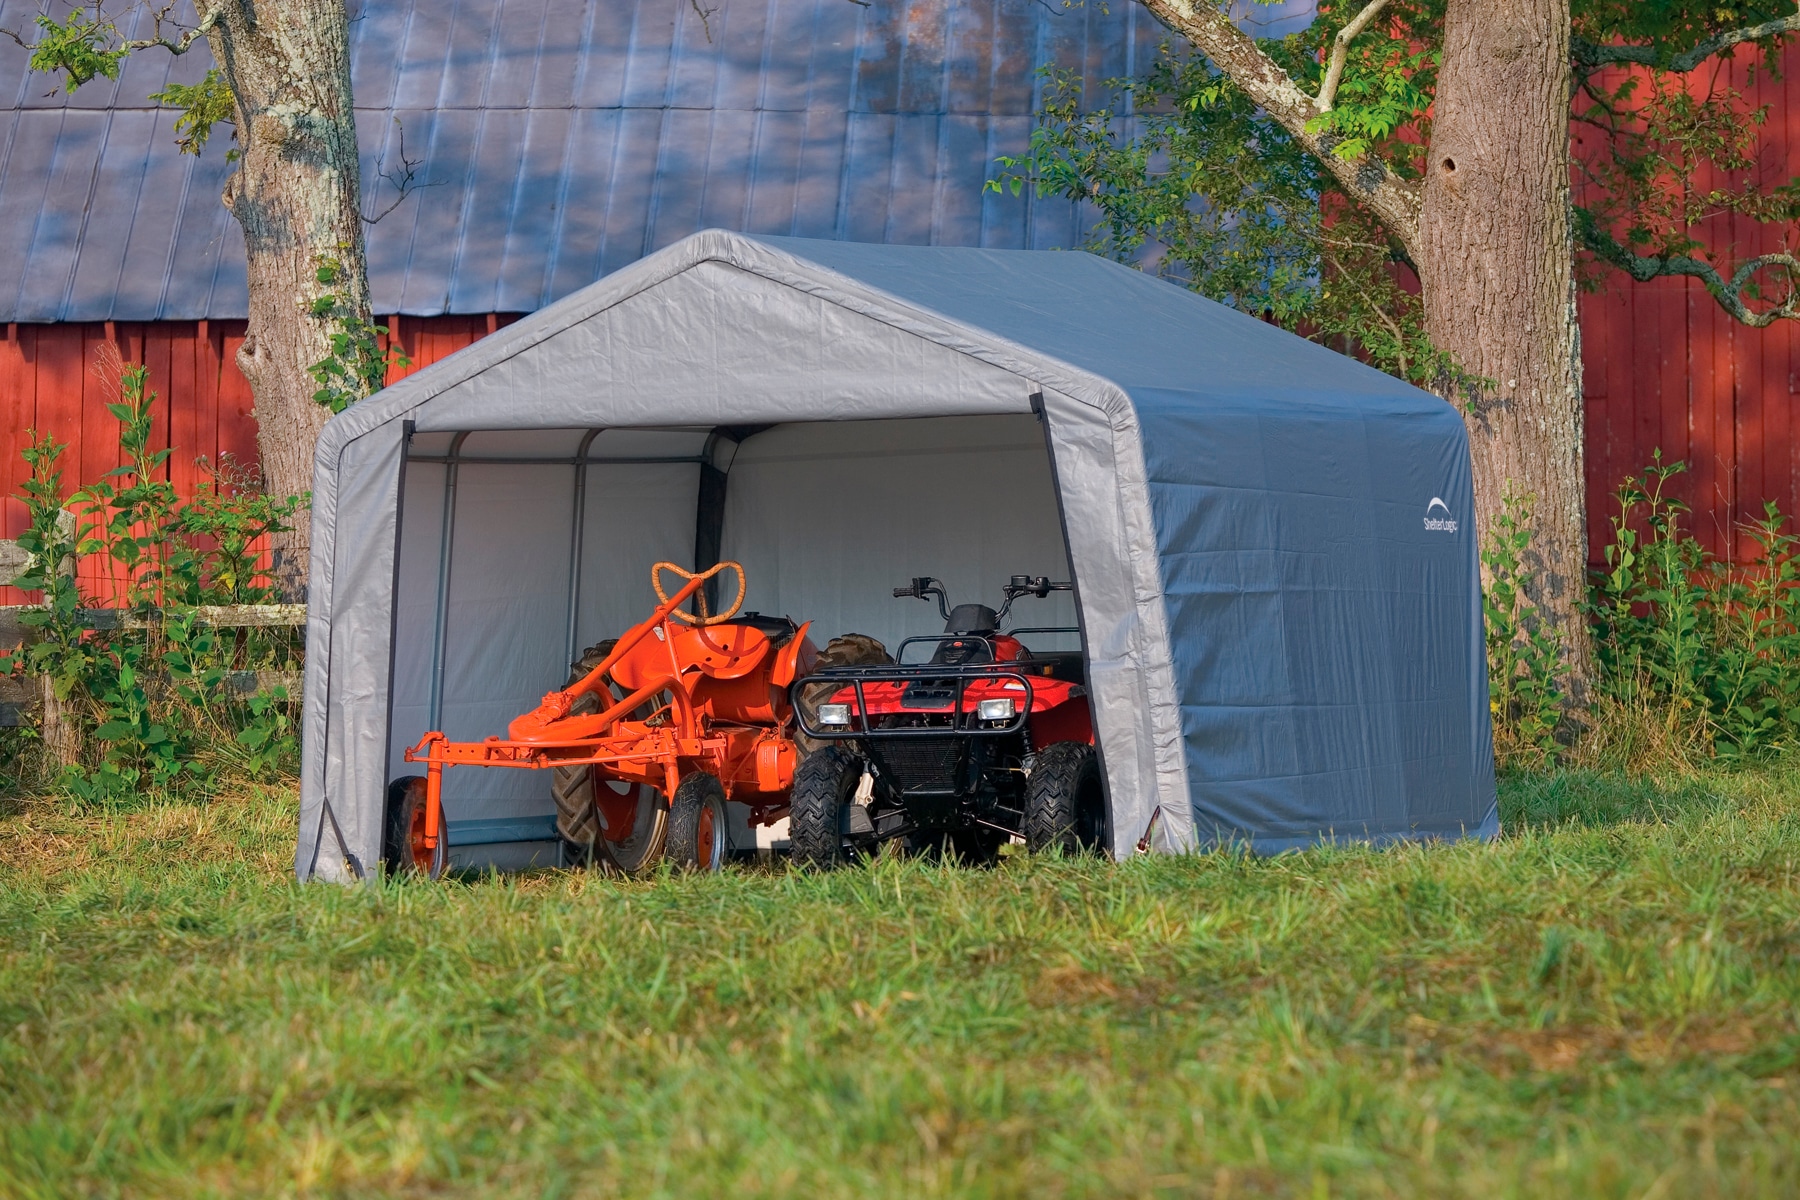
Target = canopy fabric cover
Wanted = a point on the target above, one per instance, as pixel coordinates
(1276, 575)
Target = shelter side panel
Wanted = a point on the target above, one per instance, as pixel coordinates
(1323, 597)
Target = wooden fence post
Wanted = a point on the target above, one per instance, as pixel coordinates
(62, 736)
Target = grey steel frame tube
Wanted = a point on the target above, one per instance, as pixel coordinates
(577, 531)
(441, 617)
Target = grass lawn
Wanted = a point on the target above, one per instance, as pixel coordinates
(1602, 1004)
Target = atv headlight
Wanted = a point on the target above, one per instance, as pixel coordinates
(834, 714)
(996, 710)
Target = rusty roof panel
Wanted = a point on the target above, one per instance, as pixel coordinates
(557, 140)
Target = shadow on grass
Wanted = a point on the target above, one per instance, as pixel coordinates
(1553, 799)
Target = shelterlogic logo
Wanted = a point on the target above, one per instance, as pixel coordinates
(1439, 524)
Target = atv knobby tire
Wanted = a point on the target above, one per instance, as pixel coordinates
(1065, 804)
(850, 650)
(698, 834)
(403, 850)
(819, 809)
(577, 814)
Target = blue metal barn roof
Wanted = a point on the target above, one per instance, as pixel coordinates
(562, 139)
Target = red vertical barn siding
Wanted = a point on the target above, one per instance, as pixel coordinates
(48, 383)
(1668, 369)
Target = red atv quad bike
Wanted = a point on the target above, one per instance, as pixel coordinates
(985, 741)
(682, 713)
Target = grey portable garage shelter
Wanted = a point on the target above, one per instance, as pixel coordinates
(1276, 574)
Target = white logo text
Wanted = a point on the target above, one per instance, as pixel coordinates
(1437, 524)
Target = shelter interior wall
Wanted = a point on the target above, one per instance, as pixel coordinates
(829, 518)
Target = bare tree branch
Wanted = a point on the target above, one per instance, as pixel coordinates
(158, 17)
(1395, 201)
(1728, 292)
(1340, 51)
(706, 15)
(1591, 57)
(177, 45)
(402, 179)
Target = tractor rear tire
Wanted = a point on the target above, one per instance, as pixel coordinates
(819, 809)
(577, 822)
(699, 837)
(850, 650)
(576, 791)
(403, 849)
(1065, 802)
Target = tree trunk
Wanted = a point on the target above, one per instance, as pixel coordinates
(1497, 265)
(296, 194)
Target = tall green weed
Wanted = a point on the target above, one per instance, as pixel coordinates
(153, 703)
(1707, 651)
(1696, 657)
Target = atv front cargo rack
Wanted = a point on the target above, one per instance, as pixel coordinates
(961, 716)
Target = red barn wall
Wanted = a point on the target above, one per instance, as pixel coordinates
(48, 383)
(1666, 368)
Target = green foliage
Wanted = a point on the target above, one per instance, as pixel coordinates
(1383, 102)
(1391, 91)
(130, 505)
(357, 366)
(1696, 657)
(1600, 1004)
(202, 106)
(154, 704)
(89, 45)
(82, 48)
(1227, 225)
(1672, 27)
(1710, 649)
(1526, 666)
(1193, 180)
(215, 535)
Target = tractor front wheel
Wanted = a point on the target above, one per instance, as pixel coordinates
(697, 829)
(819, 813)
(1065, 803)
(403, 848)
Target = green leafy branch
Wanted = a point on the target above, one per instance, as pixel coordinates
(1192, 179)
(89, 45)
(202, 105)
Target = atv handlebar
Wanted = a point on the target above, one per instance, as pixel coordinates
(1034, 585)
(923, 587)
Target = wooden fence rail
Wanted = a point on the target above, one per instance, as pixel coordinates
(19, 694)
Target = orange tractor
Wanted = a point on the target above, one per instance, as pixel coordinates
(683, 713)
